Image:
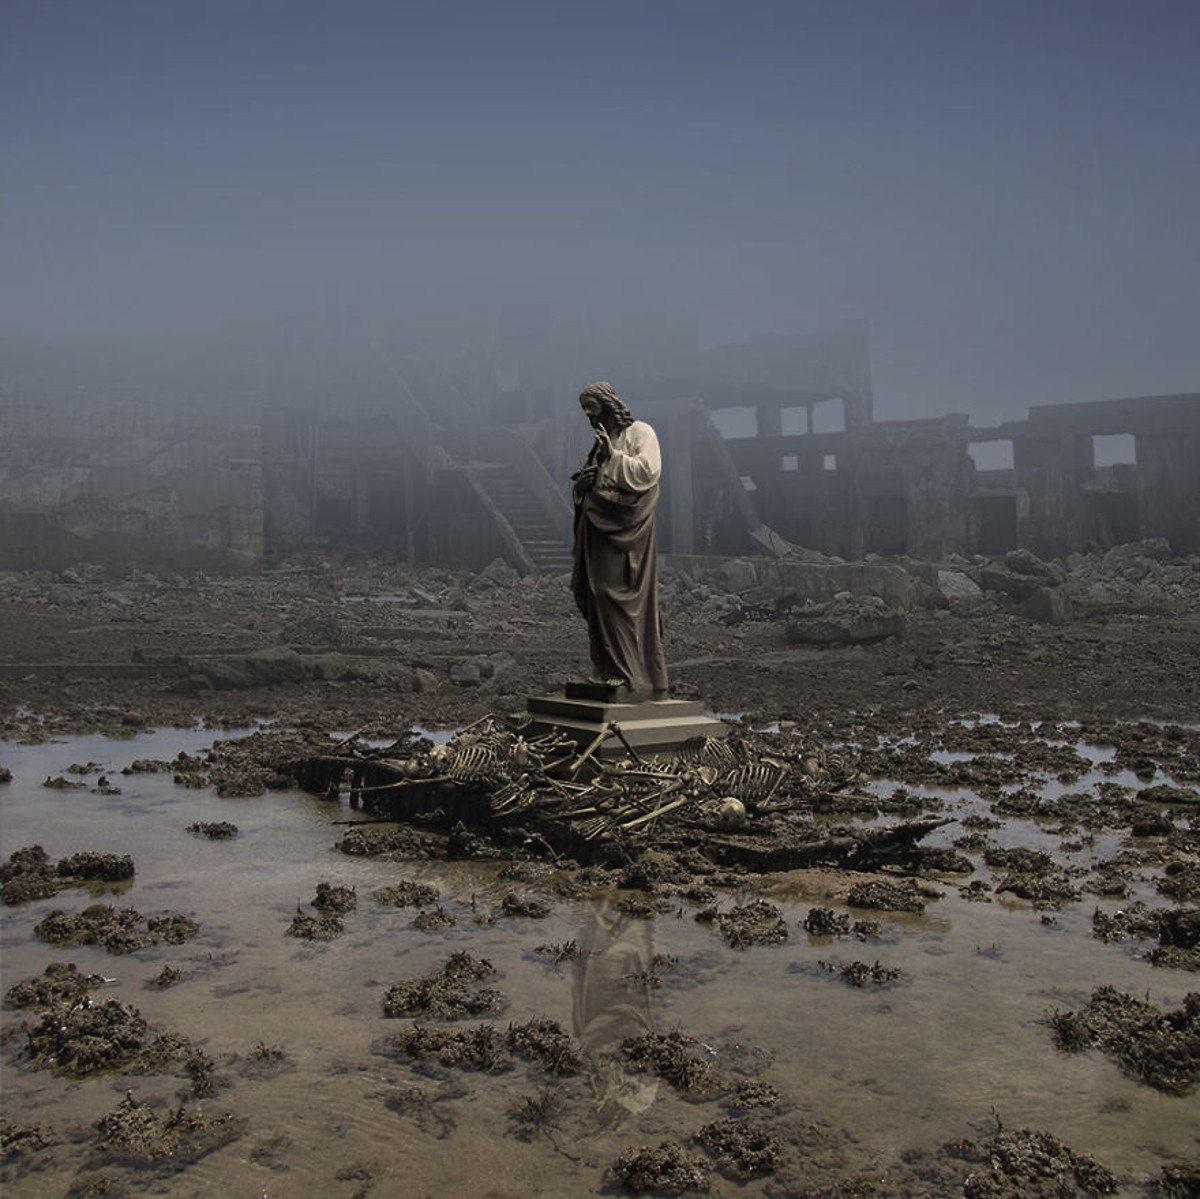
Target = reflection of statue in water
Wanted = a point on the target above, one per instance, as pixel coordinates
(615, 574)
(611, 1003)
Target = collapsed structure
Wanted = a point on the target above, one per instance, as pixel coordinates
(769, 445)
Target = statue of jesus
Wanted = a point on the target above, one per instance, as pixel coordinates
(615, 574)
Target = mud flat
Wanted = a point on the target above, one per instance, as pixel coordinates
(1004, 1006)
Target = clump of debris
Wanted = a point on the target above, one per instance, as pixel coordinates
(497, 788)
(28, 873)
(1160, 1048)
(119, 930)
(451, 993)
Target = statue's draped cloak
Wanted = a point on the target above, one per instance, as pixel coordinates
(615, 583)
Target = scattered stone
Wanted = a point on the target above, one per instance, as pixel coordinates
(846, 620)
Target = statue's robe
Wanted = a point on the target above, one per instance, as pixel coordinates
(615, 575)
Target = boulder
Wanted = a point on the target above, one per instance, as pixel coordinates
(221, 674)
(466, 673)
(1007, 582)
(278, 664)
(738, 575)
(425, 681)
(845, 620)
(497, 573)
(953, 584)
(329, 666)
(1026, 562)
(1048, 605)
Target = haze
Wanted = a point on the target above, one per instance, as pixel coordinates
(208, 196)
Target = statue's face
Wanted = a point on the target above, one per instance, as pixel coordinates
(592, 409)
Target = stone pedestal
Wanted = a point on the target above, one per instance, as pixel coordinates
(649, 725)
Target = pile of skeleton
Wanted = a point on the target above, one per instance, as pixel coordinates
(718, 784)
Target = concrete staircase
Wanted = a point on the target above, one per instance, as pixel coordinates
(542, 542)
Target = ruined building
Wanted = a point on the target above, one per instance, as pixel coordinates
(767, 444)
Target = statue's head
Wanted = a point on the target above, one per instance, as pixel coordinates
(598, 401)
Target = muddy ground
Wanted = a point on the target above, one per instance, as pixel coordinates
(343, 646)
(374, 649)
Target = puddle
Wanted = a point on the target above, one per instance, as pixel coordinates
(882, 1069)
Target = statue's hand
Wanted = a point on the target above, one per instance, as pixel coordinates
(604, 442)
(585, 480)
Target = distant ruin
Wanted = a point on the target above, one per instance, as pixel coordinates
(771, 446)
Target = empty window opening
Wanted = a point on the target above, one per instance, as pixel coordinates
(829, 416)
(1114, 449)
(733, 423)
(830, 462)
(791, 462)
(991, 455)
(793, 422)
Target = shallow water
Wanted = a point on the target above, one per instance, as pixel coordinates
(957, 1042)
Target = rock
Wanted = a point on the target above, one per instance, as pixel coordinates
(497, 573)
(845, 620)
(466, 673)
(1026, 562)
(328, 666)
(221, 674)
(425, 681)
(1048, 605)
(497, 669)
(738, 575)
(953, 584)
(1015, 586)
(278, 664)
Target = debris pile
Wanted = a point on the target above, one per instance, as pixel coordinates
(748, 800)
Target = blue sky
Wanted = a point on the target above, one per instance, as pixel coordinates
(1009, 192)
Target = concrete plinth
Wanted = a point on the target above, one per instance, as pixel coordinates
(650, 726)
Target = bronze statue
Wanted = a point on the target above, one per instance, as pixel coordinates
(615, 573)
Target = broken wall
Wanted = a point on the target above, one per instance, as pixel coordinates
(122, 492)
